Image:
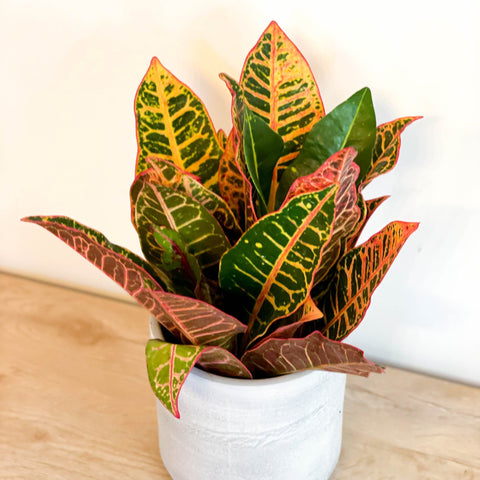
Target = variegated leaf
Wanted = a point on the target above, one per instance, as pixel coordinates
(164, 248)
(373, 203)
(248, 215)
(175, 254)
(173, 124)
(279, 87)
(350, 124)
(358, 274)
(169, 364)
(235, 187)
(339, 168)
(208, 325)
(271, 267)
(222, 138)
(281, 356)
(167, 254)
(289, 327)
(230, 180)
(387, 147)
(238, 103)
(163, 206)
(189, 320)
(169, 175)
(367, 207)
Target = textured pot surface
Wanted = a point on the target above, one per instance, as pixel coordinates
(280, 428)
(283, 428)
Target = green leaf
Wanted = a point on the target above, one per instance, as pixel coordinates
(189, 320)
(358, 274)
(163, 206)
(173, 123)
(169, 364)
(350, 124)
(271, 267)
(262, 148)
(277, 356)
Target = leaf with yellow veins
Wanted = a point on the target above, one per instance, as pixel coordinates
(173, 124)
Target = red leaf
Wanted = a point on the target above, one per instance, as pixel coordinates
(281, 356)
(190, 320)
(219, 361)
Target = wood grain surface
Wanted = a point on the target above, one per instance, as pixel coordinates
(75, 401)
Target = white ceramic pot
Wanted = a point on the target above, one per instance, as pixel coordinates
(283, 428)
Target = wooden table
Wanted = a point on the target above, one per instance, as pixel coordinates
(75, 402)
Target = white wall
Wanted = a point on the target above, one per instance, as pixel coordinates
(69, 71)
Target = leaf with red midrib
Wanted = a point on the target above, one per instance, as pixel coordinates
(358, 274)
(282, 356)
(190, 320)
(169, 364)
(339, 168)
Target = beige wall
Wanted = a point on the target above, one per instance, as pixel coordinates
(69, 71)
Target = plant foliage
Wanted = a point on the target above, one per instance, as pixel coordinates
(251, 264)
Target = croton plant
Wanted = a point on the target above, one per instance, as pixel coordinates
(251, 267)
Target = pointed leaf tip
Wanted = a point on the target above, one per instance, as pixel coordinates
(168, 366)
(350, 124)
(279, 87)
(172, 122)
(387, 147)
(280, 356)
(357, 276)
(187, 319)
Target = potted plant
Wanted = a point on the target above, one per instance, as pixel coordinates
(252, 268)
